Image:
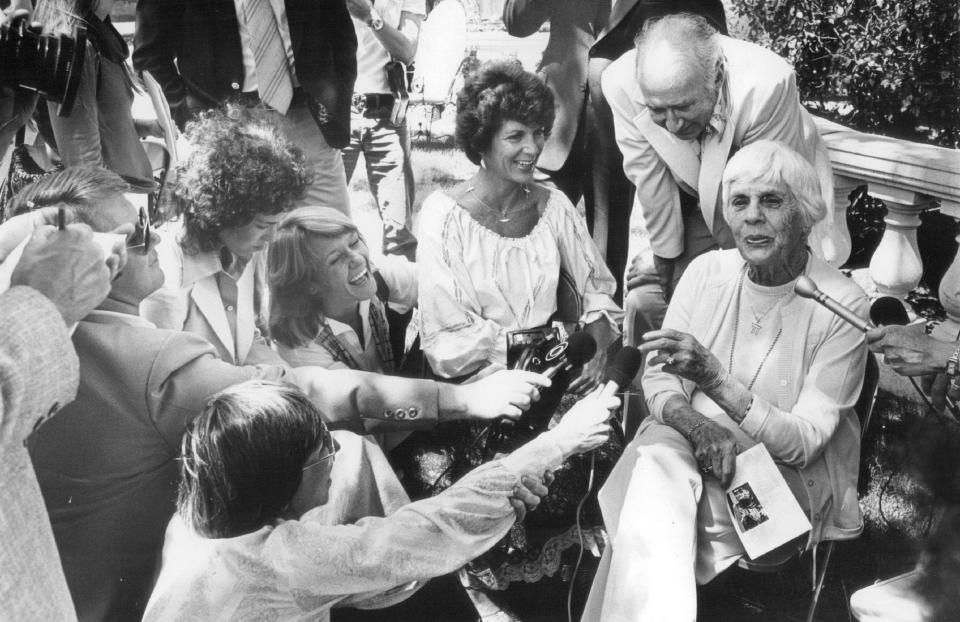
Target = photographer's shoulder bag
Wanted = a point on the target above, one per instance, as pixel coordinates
(24, 170)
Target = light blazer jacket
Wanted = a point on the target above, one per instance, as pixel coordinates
(564, 64)
(107, 464)
(763, 104)
(38, 374)
(190, 300)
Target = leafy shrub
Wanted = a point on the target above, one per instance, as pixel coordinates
(884, 66)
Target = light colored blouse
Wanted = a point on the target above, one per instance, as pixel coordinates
(476, 285)
(297, 570)
(806, 388)
(401, 278)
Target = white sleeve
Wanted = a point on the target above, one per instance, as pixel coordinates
(400, 275)
(581, 258)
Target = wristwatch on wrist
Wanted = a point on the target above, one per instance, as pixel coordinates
(375, 22)
(953, 364)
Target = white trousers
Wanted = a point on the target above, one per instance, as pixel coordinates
(669, 531)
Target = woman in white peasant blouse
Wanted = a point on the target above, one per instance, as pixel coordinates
(492, 248)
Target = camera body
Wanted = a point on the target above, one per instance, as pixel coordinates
(47, 64)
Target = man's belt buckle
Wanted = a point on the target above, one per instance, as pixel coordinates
(360, 102)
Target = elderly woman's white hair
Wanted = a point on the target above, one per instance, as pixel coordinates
(773, 163)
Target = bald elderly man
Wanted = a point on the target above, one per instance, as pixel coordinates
(684, 101)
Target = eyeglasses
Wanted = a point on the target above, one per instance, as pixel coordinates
(140, 238)
(335, 447)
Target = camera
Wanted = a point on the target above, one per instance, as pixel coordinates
(50, 65)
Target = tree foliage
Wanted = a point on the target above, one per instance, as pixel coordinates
(885, 66)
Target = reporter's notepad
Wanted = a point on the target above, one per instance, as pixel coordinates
(765, 513)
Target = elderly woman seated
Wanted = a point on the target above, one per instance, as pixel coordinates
(740, 360)
(249, 540)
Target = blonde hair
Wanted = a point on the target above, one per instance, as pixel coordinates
(61, 17)
(292, 267)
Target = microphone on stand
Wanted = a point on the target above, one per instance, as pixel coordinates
(806, 288)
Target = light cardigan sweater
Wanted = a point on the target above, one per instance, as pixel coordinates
(807, 421)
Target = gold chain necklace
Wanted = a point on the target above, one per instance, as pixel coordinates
(736, 327)
(504, 217)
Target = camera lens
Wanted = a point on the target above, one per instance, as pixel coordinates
(46, 64)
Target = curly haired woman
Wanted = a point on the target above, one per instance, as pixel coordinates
(231, 190)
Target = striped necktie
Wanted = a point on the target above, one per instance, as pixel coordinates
(273, 70)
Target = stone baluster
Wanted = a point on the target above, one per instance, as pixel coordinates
(895, 266)
(950, 286)
(836, 245)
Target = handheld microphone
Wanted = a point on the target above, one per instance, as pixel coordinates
(808, 289)
(888, 311)
(573, 352)
(620, 373)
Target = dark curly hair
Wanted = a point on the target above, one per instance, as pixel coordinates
(497, 92)
(240, 166)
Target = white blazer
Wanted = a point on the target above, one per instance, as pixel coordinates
(190, 299)
(762, 104)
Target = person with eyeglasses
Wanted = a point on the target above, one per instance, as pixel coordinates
(55, 278)
(106, 464)
(249, 540)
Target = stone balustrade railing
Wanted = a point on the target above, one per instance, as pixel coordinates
(909, 177)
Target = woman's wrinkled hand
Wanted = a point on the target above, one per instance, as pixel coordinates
(715, 449)
(681, 354)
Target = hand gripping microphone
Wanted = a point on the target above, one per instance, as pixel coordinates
(620, 373)
(573, 352)
(808, 289)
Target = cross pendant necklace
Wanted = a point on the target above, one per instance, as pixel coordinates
(733, 343)
(756, 326)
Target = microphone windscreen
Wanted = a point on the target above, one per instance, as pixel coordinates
(625, 366)
(806, 287)
(580, 348)
(888, 311)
